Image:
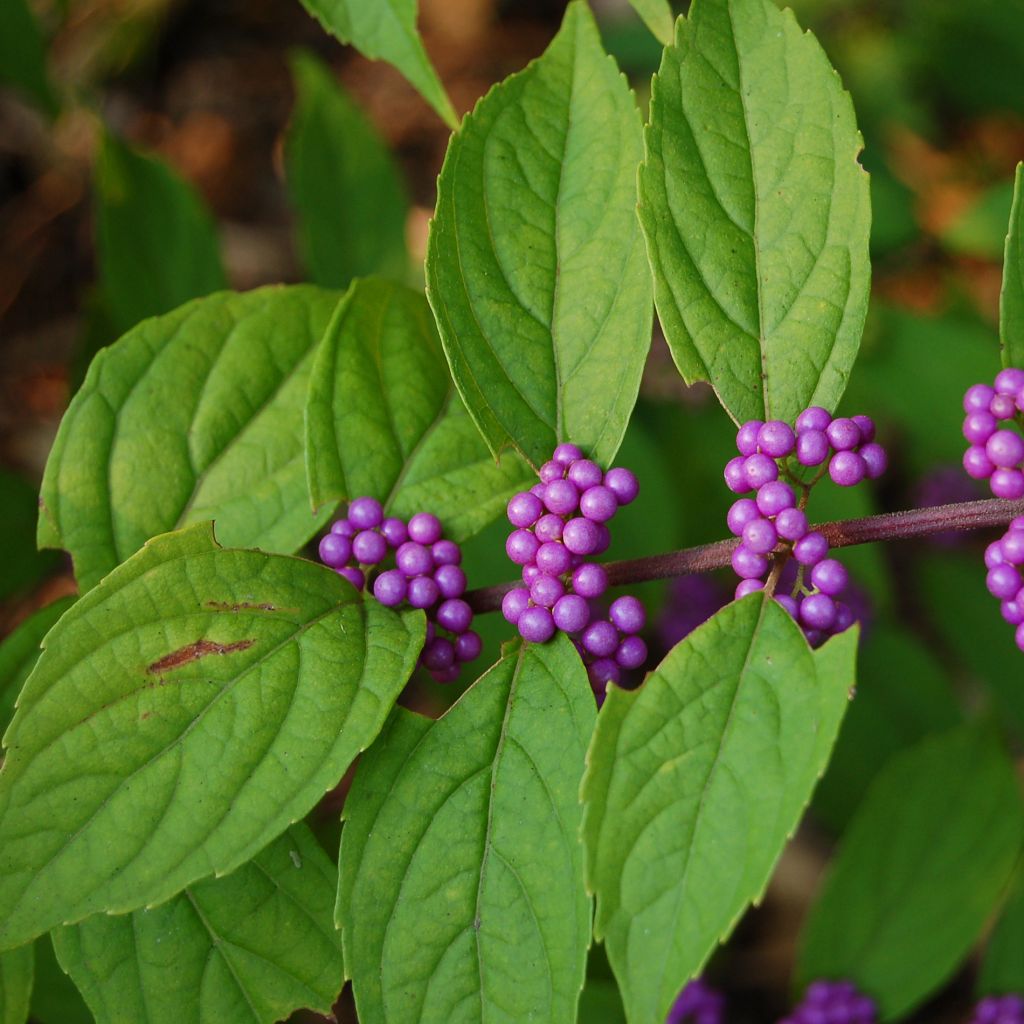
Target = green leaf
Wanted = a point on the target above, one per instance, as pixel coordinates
(756, 212)
(1011, 298)
(15, 985)
(386, 30)
(191, 416)
(182, 715)
(693, 784)
(349, 195)
(1002, 969)
(23, 564)
(657, 16)
(55, 1000)
(384, 419)
(23, 55)
(461, 895)
(19, 652)
(156, 243)
(535, 264)
(920, 869)
(251, 947)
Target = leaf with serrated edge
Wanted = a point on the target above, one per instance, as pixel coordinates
(156, 242)
(756, 211)
(15, 984)
(349, 194)
(384, 419)
(461, 890)
(191, 416)
(1011, 297)
(249, 948)
(182, 715)
(921, 868)
(19, 651)
(657, 16)
(693, 784)
(386, 30)
(535, 265)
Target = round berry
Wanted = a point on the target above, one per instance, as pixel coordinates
(789, 603)
(530, 574)
(994, 555)
(369, 547)
(343, 528)
(847, 468)
(1012, 547)
(423, 592)
(571, 613)
(746, 437)
(521, 547)
(628, 614)
(546, 590)
(603, 671)
(468, 646)
(760, 536)
(584, 473)
(866, 426)
(538, 490)
(813, 418)
(581, 536)
(604, 539)
(524, 509)
(514, 603)
(979, 426)
(1003, 407)
(759, 470)
(791, 523)
(394, 531)
(425, 528)
(1009, 381)
(600, 638)
(631, 653)
(623, 483)
(776, 439)
(978, 398)
(390, 588)
(450, 580)
(446, 552)
(876, 462)
(812, 448)
(365, 513)
(1007, 484)
(561, 497)
(590, 580)
(830, 576)
(1005, 448)
(746, 587)
(454, 615)
(818, 611)
(549, 527)
(553, 558)
(598, 503)
(1013, 611)
(566, 454)
(811, 548)
(844, 618)
(735, 475)
(335, 550)
(775, 496)
(439, 654)
(977, 464)
(354, 576)
(843, 434)
(551, 471)
(743, 511)
(1003, 582)
(748, 564)
(536, 625)
(414, 559)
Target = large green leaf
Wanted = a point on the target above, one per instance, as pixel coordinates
(693, 784)
(15, 984)
(182, 715)
(920, 869)
(657, 16)
(23, 54)
(756, 211)
(191, 416)
(250, 947)
(1002, 969)
(384, 419)
(19, 651)
(1011, 298)
(461, 895)
(386, 30)
(156, 243)
(535, 265)
(342, 181)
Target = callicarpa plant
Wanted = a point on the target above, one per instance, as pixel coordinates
(267, 497)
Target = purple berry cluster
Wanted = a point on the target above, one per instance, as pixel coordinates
(698, 1003)
(999, 1010)
(772, 526)
(426, 574)
(1004, 560)
(833, 1002)
(559, 524)
(995, 452)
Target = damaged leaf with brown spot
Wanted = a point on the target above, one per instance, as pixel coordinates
(183, 713)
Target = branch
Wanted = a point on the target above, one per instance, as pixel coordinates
(918, 522)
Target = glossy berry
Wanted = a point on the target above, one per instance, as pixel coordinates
(830, 577)
(623, 483)
(590, 580)
(791, 524)
(521, 547)
(698, 1003)
(813, 418)
(776, 439)
(394, 531)
(760, 536)
(391, 587)
(1008, 1009)
(546, 590)
(438, 654)
(335, 550)
(598, 503)
(818, 611)
(571, 613)
(365, 513)
(514, 603)
(742, 512)
(414, 559)
(553, 558)
(600, 638)
(561, 497)
(759, 470)
(847, 468)
(812, 448)
(811, 548)
(446, 552)
(627, 614)
(354, 576)
(565, 454)
(735, 475)
(631, 652)
(746, 437)
(454, 615)
(584, 474)
(549, 527)
(747, 587)
(468, 646)
(581, 536)
(536, 625)
(423, 592)
(748, 564)
(775, 496)
(369, 547)
(1007, 483)
(843, 434)
(450, 580)
(524, 509)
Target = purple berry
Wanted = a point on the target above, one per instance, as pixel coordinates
(553, 558)
(394, 531)
(354, 576)
(604, 539)
(978, 398)
(628, 614)
(546, 590)
(561, 497)
(521, 547)
(1007, 484)
(1009, 381)
(876, 461)
(446, 552)
(977, 464)
(454, 615)
(847, 468)
(536, 625)
(604, 671)
(830, 577)
(747, 587)
(1012, 611)
(746, 437)
(524, 509)
(514, 603)
(551, 471)
(979, 426)
(866, 426)
(571, 613)
(1012, 546)
(1003, 407)
(789, 603)
(742, 512)
(549, 527)
(369, 547)
(566, 454)
(813, 418)
(812, 448)
(623, 484)
(425, 528)
(531, 573)
(994, 555)
(343, 528)
(760, 536)
(1004, 582)
(748, 564)
(776, 439)
(811, 548)
(735, 475)
(818, 611)
(844, 618)
(450, 580)
(775, 496)
(843, 434)
(581, 536)
(538, 490)
(600, 638)
(423, 592)
(598, 503)
(759, 470)
(414, 559)
(468, 646)
(631, 653)
(590, 580)
(791, 523)
(365, 513)
(1005, 448)
(335, 550)
(390, 588)
(439, 654)
(584, 473)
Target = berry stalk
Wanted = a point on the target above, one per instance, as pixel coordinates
(919, 522)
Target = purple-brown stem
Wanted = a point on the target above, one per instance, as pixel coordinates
(917, 522)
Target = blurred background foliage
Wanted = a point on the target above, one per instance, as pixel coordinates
(155, 150)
